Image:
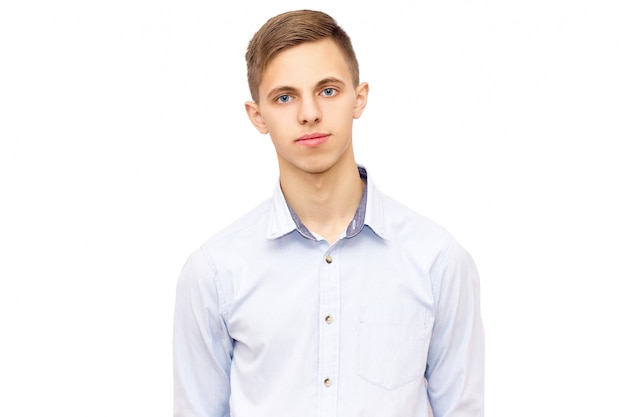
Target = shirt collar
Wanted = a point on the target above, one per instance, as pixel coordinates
(283, 220)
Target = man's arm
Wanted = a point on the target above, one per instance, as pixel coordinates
(455, 370)
(202, 345)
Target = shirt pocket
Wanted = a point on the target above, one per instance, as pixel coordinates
(393, 344)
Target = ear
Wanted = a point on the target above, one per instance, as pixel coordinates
(255, 117)
(362, 90)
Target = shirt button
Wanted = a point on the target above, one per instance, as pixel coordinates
(328, 382)
(328, 259)
(328, 319)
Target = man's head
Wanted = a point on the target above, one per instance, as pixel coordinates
(306, 91)
(291, 29)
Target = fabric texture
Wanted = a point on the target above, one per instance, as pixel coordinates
(271, 320)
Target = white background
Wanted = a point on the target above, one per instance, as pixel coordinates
(124, 145)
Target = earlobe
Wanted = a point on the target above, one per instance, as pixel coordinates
(362, 90)
(252, 109)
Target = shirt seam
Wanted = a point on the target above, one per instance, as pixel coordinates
(218, 286)
(439, 270)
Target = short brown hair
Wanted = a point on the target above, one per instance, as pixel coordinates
(291, 29)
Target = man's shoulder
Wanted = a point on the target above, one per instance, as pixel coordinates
(249, 227)
(424, 237)
(401, 219)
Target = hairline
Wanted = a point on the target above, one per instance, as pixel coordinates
(258, 56)
(354, 82)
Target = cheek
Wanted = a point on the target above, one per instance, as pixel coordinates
(341, 114)
(276, 127)
(344, 107)
(269, 119)
(277, 117)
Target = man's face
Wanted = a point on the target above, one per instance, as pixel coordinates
(307, 103)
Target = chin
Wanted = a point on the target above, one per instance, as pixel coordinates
(314, 165)
(318, 167)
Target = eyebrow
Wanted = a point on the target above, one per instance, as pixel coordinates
(330, 80)
(285, 89)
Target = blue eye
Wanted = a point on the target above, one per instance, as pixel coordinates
(329, 92)
(283, 99)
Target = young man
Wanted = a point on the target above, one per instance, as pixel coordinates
(330, 298)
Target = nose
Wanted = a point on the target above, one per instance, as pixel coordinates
(309, 111)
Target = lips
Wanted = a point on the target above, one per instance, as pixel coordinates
(312, 139)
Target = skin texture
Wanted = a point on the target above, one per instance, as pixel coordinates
(308, 90)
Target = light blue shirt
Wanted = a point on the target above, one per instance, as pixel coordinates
(272, 321)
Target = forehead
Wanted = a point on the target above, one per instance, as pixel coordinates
(304, 65)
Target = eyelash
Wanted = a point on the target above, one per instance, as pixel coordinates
(334, 92)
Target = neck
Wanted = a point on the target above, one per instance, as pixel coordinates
(327, 201)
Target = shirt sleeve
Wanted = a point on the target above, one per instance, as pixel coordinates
(455, 369)
(201, 344)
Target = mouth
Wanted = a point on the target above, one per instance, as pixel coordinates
(313, 139)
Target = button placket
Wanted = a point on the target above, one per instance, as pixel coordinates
(329, 331)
